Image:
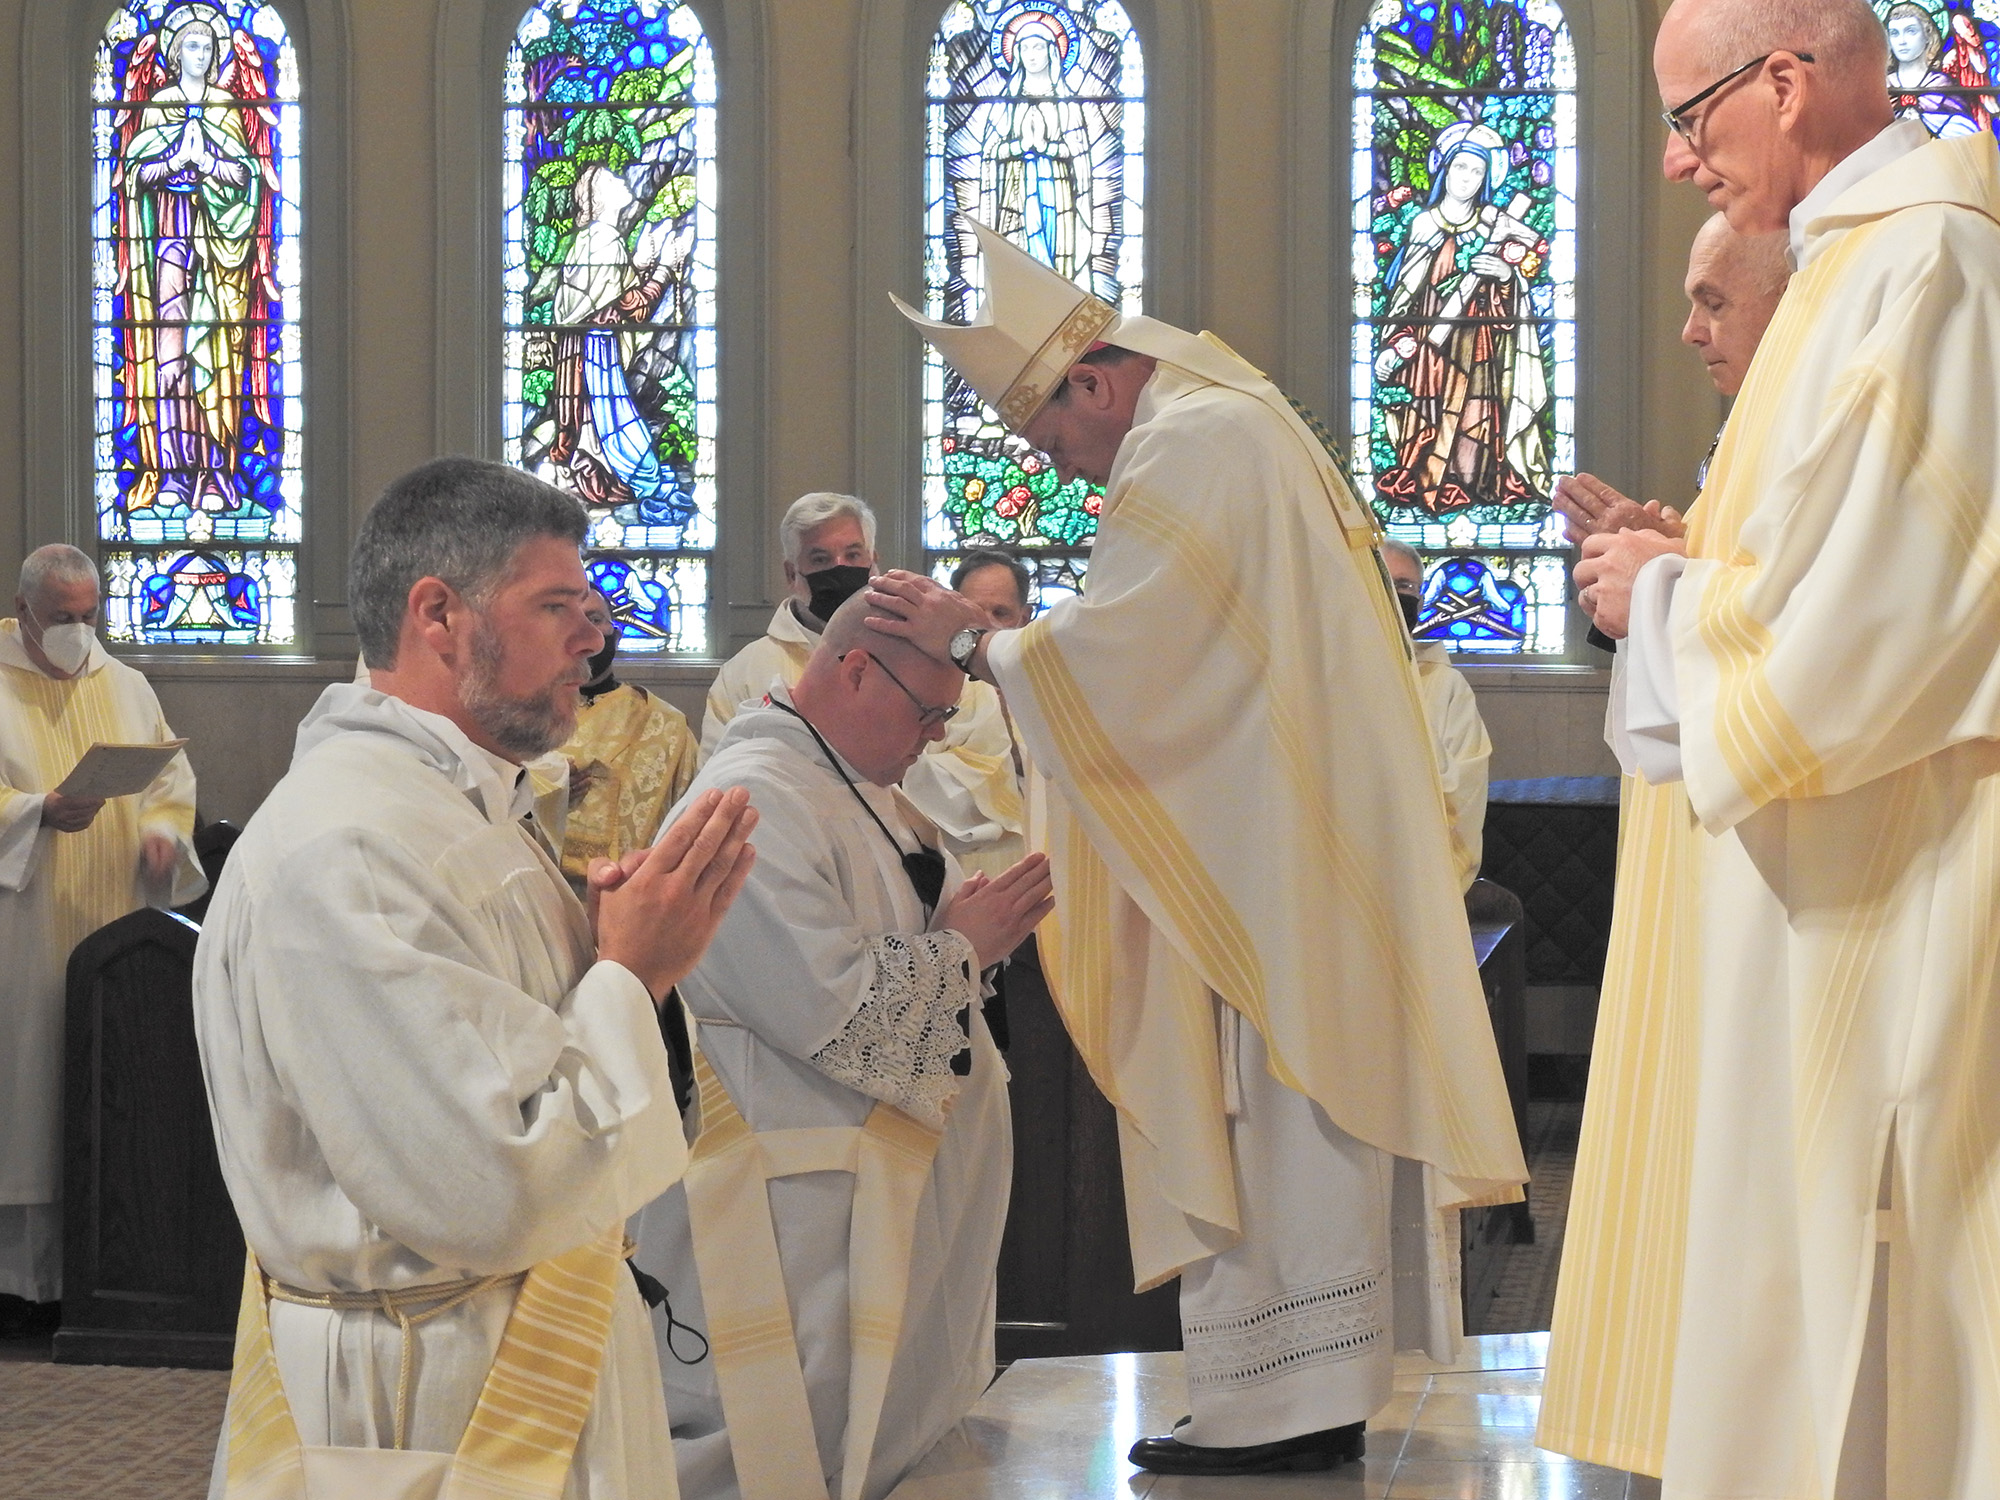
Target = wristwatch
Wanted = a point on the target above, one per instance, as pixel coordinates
(962, 646)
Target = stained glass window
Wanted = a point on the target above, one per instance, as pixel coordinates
(1464, 354)
(196, 344)
(1941, 63)
(1036, 126)
(609, 295)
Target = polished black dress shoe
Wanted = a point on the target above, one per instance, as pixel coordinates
(1308, 1451)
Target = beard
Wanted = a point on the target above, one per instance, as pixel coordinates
(525, 726)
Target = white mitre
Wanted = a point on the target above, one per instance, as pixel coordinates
(1037, 324)
(1034, 327)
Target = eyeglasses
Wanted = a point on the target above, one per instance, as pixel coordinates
(1676, 117)
(927, 713)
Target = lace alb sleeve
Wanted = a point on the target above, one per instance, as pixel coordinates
(900, 1045)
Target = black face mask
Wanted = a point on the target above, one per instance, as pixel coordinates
(600, 663)
(1412, 606)
(833, 587)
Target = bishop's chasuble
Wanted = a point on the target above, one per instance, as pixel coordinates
(55, 890)
(420, 1076)
(1809, 934)
(964, 785)
(1242, 802)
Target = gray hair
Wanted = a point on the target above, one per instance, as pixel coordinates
(1760, 263)
(460, 520)
(816, 509)
(1840, 34)
(58, 562)
(1403, 550)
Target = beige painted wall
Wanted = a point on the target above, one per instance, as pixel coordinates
(241, 717)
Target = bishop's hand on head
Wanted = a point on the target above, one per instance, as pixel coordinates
(655, 910)
(921, 611)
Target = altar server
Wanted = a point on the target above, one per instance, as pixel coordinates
(1812, 698)
(831, 1253)
(67, 866)
(965, 785)
(437, 1092)
(1259, 948)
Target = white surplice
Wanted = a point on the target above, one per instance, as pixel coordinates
(965, 784)
(419, 1073)
(1463, 751)
(55, 890)
(823, 992)
(1820, 673)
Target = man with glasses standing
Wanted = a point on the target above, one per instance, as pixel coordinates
(831, 1258)
(1810, 702)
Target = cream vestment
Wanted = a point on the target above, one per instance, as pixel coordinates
(420, 1076)
(55, 890)
(1809, 932)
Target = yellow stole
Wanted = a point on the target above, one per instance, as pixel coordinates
(750, 1333)
(523, 1433)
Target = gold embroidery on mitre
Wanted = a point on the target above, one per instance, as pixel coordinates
(1052, 361)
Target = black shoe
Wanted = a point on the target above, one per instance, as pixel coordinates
(22, 1319)
(1309, 1451)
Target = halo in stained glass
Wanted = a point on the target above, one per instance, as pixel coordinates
(1463, 376)
(1941, 61)
(196, 300)
(609, 291)
(1035, 126)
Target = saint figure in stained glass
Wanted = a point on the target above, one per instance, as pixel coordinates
(1036, 127)
(1467, 356)
(609, 279)
(1940, 62)
(196, 303)
(1463, 376)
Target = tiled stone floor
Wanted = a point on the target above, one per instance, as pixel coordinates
(1057, 1429)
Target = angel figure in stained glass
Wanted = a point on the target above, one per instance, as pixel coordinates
(1460, 343)
(1036, 169)
(196, 187)
(1920, 61)
(603, 442)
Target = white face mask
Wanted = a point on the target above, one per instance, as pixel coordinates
(66, 646)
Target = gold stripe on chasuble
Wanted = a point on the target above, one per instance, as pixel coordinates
(1766, 753)
(1135, 817)
(1349, 872)
(1972, 1146)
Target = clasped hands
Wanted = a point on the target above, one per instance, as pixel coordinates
(1617, 536)
(996, 915)
(655, 910)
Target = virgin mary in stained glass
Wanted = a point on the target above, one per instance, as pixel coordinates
(1461, 343)
(195, 259)
(1035, 171)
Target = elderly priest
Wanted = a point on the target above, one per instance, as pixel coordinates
(439, 1085)
(68, 865)
(836, 1235)
(1811, 699)
(1259, 946)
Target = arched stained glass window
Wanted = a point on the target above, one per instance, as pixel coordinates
(1464, 359)
(1941, 60)
(195, 323)
(609, 288)
(1036, 125)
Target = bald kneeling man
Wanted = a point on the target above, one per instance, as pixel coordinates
(835, 1241)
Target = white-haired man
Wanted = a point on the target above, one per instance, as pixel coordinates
(1458, 734)
(1811, 700)
(839, 1008)
(965, 785)
(68, 865)
(439, 1083)
(1734, 282)
(1260, 947)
